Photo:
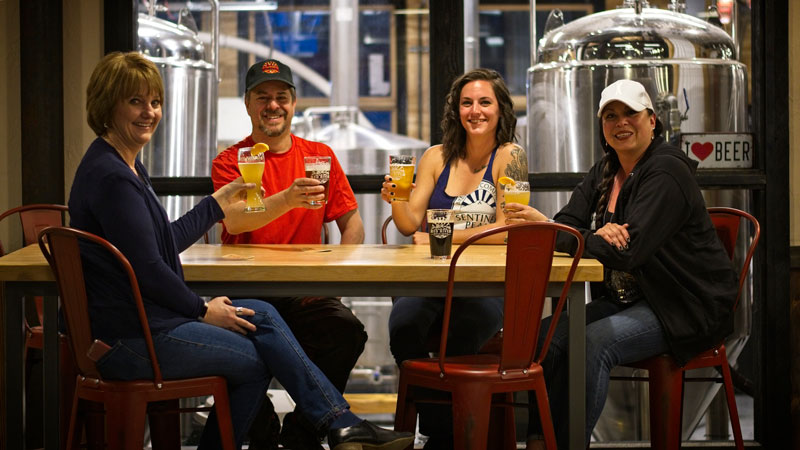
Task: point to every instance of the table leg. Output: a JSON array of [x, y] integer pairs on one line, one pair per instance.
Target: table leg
[[577, 358], [14, 389], [50, 377]]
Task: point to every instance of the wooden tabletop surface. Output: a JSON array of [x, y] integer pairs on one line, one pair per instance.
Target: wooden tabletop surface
[[341, 263]]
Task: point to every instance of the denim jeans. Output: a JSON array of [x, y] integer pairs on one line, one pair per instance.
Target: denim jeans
[[616, 334], [473, 321], [248, 362]]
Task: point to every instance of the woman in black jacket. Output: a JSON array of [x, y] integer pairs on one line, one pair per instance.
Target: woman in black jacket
[[669, 284]]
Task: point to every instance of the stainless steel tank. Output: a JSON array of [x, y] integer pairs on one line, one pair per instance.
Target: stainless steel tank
[[689, 68], [185, 141]]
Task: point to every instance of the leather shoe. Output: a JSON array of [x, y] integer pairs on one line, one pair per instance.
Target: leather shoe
[[367, 436]]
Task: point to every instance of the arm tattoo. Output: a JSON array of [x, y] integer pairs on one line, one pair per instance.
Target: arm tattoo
[[517, 168]]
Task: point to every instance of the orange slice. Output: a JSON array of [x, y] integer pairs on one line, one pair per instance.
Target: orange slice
[[505, 180], [259, 149]]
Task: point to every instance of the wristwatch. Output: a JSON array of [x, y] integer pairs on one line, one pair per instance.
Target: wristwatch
[[203, 312]]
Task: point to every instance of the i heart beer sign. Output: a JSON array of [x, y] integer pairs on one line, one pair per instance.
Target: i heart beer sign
[[719, 150]]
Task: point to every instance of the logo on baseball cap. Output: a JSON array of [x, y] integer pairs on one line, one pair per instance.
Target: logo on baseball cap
[[630, 92], [268, 70]]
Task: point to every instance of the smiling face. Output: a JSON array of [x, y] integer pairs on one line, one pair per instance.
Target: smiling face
[[270, 106], [478, 108], [135, 118], [627, 131]]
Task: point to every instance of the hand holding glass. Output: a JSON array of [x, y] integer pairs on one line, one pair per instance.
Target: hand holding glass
[[440, 232], [319, 168], [252, 169], [401, 169]]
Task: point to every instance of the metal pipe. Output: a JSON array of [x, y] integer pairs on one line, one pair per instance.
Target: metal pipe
[[534, 57], [471, 35], [344, 53], [735, 27], [215, 38], [263, 51]]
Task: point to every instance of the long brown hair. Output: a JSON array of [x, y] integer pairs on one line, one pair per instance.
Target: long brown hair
[[454, 136], [611, 166]]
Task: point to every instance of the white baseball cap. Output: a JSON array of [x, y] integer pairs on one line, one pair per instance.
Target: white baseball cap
[[630, 92]]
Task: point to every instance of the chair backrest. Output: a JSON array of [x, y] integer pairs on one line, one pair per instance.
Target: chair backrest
[[385, 225], [60, 246], [529, 257], [34, 218], [388, 220], [727, 222]]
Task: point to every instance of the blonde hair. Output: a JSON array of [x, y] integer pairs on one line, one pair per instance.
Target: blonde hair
[[116, 77]]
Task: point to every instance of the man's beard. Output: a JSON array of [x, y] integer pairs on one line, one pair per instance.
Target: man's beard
[[274, 132]]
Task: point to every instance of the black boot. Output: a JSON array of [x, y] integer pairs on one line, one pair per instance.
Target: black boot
[[369, 437]]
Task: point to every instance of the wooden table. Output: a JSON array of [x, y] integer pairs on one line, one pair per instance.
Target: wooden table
[[290, 270]]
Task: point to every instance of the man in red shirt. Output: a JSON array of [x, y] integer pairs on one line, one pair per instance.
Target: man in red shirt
[[327, 330]]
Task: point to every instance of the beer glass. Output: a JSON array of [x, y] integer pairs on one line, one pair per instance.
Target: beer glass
[[401, 169], [517, 192], [319, 168], [252, 169], [440, 232]]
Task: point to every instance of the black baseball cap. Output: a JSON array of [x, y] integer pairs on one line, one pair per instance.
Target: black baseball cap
[[267, 70]]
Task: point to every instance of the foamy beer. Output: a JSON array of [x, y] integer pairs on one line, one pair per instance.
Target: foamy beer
[[401, 169], [440, 232], [319, 168], [517, 192]]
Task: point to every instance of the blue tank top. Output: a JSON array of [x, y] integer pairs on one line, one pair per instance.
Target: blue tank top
[[477, 208]]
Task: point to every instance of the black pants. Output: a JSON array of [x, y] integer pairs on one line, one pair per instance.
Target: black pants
[[331, 335]]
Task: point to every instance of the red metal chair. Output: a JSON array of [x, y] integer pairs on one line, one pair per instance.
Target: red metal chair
[[477, 383], [34, 218], [666, 377], [125, 402]]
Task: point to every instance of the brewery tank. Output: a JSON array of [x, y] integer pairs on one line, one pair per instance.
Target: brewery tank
[[690, 71], [185, 141]]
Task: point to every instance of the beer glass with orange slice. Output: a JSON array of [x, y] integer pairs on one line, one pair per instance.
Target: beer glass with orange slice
[[251, 166], [515, 191]]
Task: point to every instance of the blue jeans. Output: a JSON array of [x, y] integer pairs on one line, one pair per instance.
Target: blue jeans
[[248, 363], [616, 334], [473, 321]]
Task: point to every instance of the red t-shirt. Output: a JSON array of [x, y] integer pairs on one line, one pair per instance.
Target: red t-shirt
[[299, 225]]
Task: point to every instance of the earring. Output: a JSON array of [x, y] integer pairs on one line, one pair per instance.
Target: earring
[[105, 125]]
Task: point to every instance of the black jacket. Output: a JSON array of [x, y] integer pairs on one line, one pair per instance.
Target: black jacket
[[674, 254]]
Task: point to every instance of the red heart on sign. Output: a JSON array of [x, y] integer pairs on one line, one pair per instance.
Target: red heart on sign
[[702, 150]]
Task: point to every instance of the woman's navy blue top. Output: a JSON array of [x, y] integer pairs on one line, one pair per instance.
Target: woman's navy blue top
[[109, 200]]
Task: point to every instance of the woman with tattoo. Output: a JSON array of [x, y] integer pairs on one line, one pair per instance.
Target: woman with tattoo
[[460, 174]]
